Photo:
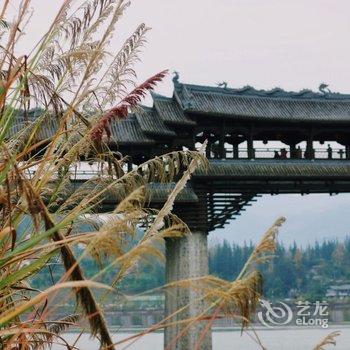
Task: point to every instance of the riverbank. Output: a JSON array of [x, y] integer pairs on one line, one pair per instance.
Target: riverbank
[[257, 327]]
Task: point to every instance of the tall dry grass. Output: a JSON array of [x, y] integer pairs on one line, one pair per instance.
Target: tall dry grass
[[79, 87]]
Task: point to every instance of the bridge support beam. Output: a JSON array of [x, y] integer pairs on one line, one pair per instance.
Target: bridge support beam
[[186, 258]]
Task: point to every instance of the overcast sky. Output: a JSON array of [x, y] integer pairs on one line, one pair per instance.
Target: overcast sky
[[293, 44]]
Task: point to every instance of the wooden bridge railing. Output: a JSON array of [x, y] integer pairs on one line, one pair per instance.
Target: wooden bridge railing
[[281, 153]]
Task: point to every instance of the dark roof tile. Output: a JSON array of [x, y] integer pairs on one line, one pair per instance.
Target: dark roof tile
[[151, 123], [257, 104], [128, 131], [169, 110]]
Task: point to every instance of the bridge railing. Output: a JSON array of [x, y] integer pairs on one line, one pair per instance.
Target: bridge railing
[[283, 153], [87, 172], [76, 174]]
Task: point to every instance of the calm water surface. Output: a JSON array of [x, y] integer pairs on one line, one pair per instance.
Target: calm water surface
[[276, 339]]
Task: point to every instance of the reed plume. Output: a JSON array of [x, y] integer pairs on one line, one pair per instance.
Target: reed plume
[[120, 111], [328, 340]]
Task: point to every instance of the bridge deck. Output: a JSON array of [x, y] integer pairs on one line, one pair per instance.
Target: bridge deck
[[272, 168], [228, 187]]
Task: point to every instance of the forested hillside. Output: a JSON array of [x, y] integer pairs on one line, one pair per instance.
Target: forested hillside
[[295, 271]]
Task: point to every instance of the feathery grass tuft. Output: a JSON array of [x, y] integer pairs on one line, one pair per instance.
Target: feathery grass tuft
[[121, 110], [328, 340]]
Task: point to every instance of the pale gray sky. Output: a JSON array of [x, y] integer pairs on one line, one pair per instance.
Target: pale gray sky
[[293, 44]]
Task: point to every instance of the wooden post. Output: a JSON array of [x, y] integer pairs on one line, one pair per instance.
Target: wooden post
[[209, 145], [293, 150], [130, 165], [250, 146], [222, 151], [347, 151], [235, 150], [310, 154]]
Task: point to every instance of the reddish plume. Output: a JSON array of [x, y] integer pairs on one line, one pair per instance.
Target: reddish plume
[[121, 110]]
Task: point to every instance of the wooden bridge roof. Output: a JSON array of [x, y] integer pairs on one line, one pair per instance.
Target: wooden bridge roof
[[276, 104], [129, 132], [150, 123], [192, 104], [171, 112]]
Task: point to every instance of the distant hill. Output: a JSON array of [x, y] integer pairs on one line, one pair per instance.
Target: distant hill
[[294, 272]]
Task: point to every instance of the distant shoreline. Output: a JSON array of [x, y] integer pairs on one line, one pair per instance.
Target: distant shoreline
[[226, 329]]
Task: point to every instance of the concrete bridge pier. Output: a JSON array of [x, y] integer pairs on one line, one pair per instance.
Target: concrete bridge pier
[[186, 257]]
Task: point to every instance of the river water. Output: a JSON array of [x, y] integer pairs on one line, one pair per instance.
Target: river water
[[302, 338]]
